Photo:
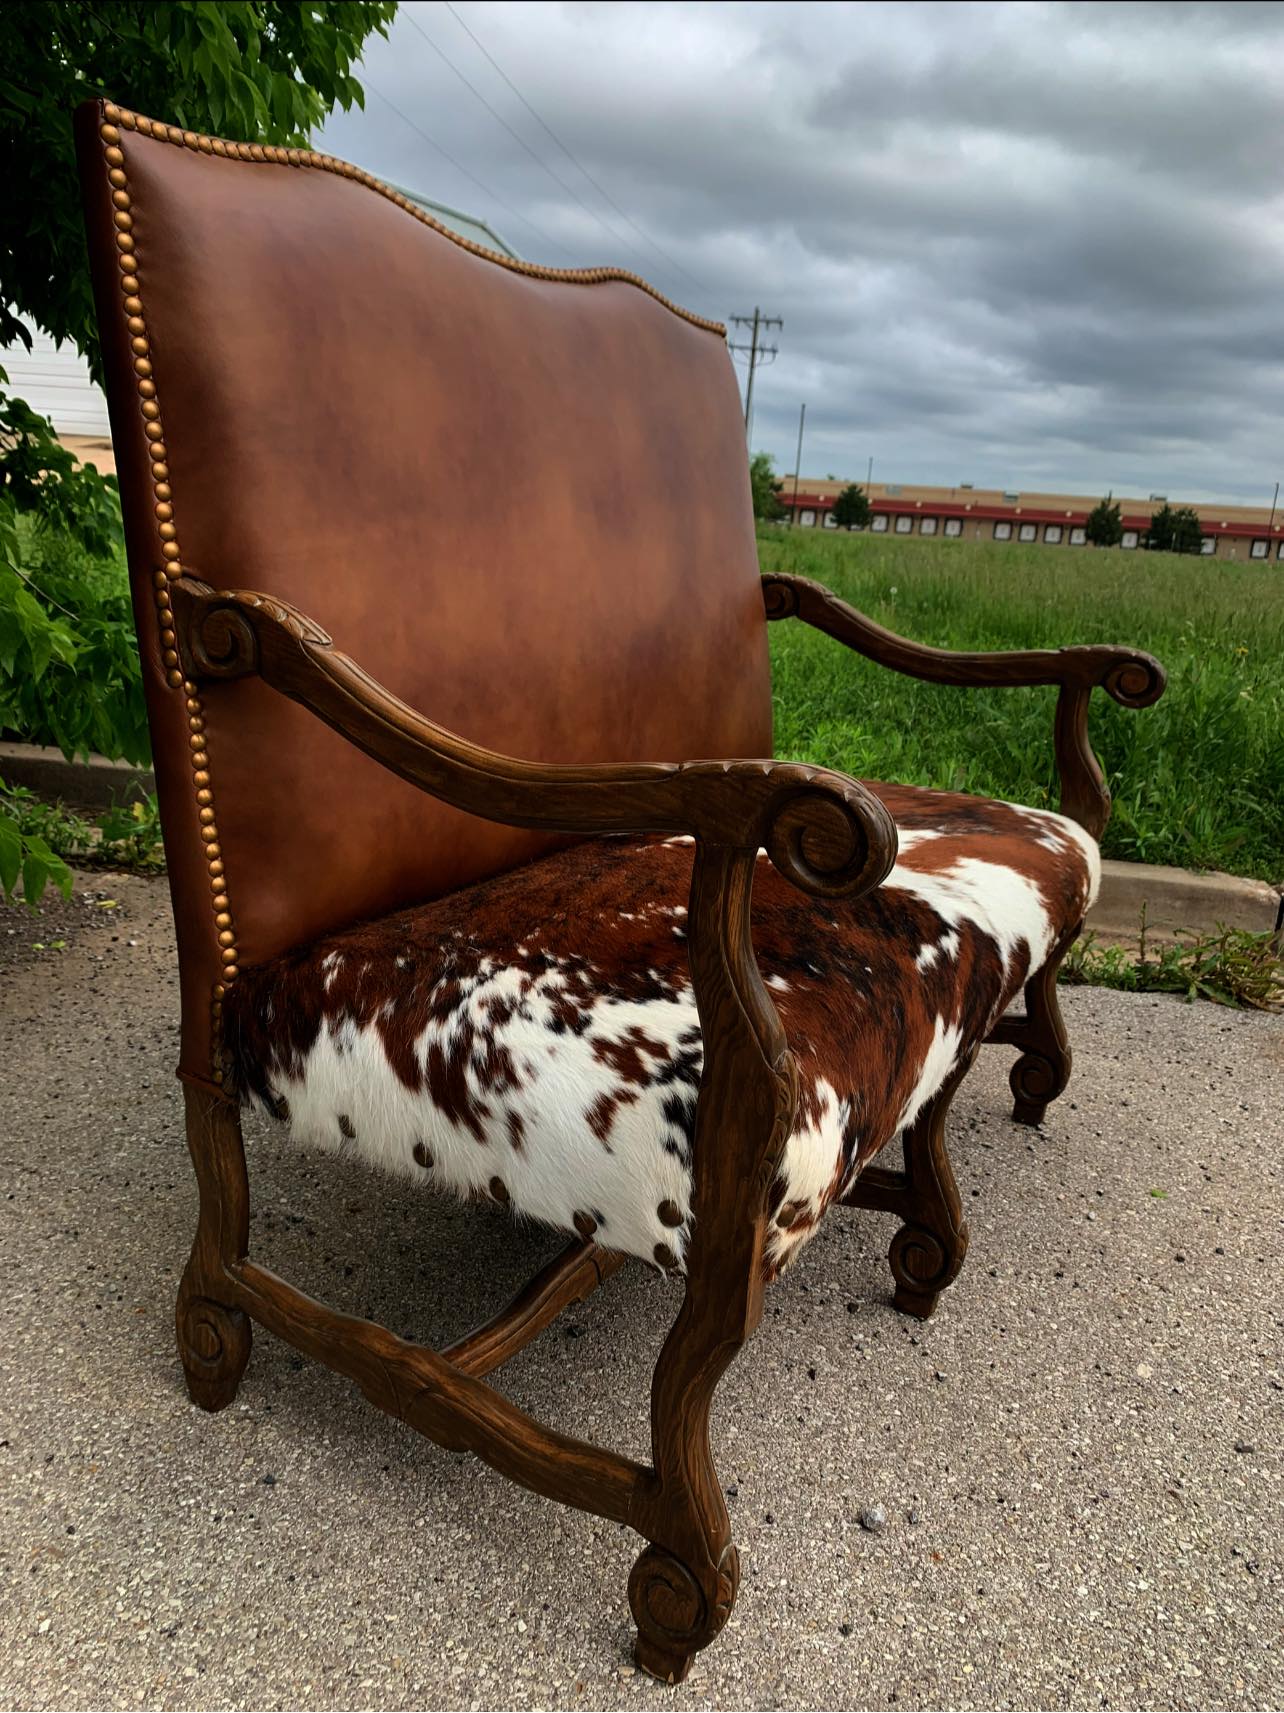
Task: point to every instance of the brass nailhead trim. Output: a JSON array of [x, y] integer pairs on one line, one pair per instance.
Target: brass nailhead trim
[[343, 169], [163, 511]]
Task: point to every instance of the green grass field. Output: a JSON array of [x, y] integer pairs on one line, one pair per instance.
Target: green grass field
[[1197, 780]]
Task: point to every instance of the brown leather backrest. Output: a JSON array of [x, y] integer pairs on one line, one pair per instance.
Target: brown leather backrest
[[518, 498]]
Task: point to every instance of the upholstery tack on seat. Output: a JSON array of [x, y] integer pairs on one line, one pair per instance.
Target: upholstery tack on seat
[[534, 1039]]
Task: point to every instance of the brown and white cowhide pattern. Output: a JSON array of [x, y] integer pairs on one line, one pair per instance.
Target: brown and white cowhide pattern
[[535, 1040]]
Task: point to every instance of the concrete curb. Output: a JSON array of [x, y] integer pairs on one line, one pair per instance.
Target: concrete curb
[[1176, 900], [93, 784]]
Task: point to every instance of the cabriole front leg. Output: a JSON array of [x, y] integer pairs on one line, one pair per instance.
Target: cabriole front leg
[[928, 1251], [213, 1335], [683, 1586], [1043, 1070]]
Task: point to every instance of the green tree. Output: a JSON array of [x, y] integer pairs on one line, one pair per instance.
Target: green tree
[[1105, 526], [1175, 530], [258, 71], [851, 509], [765, 486]]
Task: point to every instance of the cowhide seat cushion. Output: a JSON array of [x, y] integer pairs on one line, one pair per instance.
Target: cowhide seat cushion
[[534, 1039]]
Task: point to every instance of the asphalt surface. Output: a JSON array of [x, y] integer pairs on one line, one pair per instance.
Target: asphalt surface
[[1080, 1459]]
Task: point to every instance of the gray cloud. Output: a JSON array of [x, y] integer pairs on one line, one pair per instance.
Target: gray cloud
[[1015, 244]]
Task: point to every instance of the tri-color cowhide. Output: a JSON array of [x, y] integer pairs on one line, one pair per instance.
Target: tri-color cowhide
[[534, 1039]]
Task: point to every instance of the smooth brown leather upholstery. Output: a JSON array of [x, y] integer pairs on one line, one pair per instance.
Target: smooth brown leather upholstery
[[520, 503]]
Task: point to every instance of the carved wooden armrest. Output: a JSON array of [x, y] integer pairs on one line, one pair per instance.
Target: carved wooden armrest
[[1133, 678], [823, 831]]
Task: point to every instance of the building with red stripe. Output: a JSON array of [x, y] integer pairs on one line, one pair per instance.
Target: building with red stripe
[[1051, 520]]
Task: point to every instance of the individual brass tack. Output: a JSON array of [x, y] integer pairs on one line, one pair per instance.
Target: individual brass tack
[[115, 158], [109, 134], [422, 1156], [664, 1257], [670, 1213], [499, 1189], [585, 1224]]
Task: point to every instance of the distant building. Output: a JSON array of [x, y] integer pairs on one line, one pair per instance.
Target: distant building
[[56, 382], [1052, 520]]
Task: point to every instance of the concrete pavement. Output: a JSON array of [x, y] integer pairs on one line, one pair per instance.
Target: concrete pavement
[[1080, 1459]]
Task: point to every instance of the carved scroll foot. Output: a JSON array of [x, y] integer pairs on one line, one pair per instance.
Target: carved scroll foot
[[923, 1263], [1043, 1070], [1036, 1080], [213, 1346], [676, 1612]]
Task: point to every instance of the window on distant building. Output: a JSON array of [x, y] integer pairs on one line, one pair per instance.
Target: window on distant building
[[1279, 551], [1003, 532], [954, 526], [1259, 550], [830, 521], [1128, 538], [904, 525], [1078, 537], [1052, 533], [808, 520], [928, 526], [878, 523], [1027, 532], [1208, 546]]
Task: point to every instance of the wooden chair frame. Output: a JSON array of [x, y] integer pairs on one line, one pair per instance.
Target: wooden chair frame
[[828, 836]]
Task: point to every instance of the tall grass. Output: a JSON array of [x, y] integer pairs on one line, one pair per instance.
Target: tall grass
[[1197, 780]]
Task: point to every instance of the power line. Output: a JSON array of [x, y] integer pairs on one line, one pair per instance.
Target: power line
[[574, 160], [460, 167], [518, 138]]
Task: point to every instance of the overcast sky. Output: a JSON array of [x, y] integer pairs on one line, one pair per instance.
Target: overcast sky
[[1018, 245]]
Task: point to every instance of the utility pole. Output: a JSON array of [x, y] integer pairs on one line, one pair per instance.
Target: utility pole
[[757, 351], [802, 417], [1275, 502], [869, 474]]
